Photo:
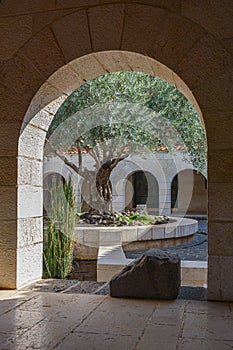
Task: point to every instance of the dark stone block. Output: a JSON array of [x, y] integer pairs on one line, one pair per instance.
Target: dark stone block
[[154, 275]]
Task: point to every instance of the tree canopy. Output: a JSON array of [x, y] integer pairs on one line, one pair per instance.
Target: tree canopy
[[120, 114], [117, 105]]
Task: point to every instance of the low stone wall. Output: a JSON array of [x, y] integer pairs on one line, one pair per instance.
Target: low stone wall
[[88, 239]]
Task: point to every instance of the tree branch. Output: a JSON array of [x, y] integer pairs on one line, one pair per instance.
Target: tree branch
[[80, 172], [80, 159], [94, 156], [117, 160]]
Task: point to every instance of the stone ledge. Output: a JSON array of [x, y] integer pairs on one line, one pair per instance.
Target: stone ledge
[[193, 273], [181, 228]]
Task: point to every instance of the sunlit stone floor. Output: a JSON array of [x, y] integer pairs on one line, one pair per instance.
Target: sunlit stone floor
[[44, 320]]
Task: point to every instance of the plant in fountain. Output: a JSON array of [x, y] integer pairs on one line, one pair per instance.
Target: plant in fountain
[[59, 233], [129, 218]]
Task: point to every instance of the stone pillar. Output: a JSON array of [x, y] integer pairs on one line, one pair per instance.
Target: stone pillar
[[164, 198], [8, 200], [30, 205], [21, 239], [220, 228], [118, 180], [8, 230], [118, 195], [220, 207]]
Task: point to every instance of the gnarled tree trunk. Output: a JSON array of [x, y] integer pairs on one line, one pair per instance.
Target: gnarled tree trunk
[[97, 192], [98, 189]]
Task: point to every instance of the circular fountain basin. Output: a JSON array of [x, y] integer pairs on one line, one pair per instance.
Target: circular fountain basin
[[89, 238]]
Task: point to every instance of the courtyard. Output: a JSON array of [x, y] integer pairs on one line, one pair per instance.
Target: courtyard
[[51, 48]]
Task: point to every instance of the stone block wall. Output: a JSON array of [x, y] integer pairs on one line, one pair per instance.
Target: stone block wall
[[186, 42]]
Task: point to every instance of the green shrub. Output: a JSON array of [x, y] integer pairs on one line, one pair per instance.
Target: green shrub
[[59, 233]]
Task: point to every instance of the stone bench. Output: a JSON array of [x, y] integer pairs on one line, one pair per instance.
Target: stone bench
[[111, 258]]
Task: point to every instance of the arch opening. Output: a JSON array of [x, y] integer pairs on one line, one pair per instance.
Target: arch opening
[[143, 189], [180, 188], [198, 50], [40, 115], [50, 180]]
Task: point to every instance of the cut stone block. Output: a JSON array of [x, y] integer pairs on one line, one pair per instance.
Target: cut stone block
[[154, 275]]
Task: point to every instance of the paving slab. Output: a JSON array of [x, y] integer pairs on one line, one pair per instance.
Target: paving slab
[[50, 320]]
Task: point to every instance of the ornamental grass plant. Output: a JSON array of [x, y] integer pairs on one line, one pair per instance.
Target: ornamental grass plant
[[59, 232]]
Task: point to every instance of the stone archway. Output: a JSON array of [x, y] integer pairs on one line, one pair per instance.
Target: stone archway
[[189, 193], [145, 190], [49, 180], [36, 125], [182, 38]]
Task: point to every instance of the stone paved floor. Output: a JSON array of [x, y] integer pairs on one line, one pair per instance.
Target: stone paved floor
[[63, 314], [36, 320]]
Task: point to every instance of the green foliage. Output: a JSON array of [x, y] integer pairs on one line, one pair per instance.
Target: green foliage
[[138, 89], [127, 218], [139, 219], [59, 236]]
